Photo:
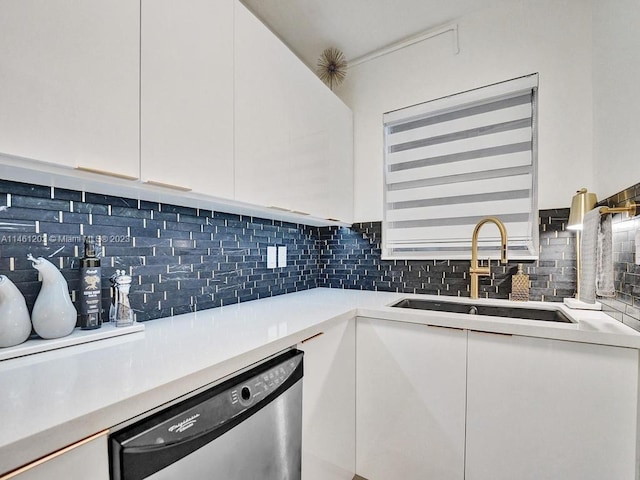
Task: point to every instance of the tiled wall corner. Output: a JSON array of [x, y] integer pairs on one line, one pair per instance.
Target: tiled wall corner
[[625, 307], [351, 258], [553, 275]]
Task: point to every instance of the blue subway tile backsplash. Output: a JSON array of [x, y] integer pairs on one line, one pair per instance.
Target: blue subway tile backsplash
[[184, 259], [351, 258], [181, 259]]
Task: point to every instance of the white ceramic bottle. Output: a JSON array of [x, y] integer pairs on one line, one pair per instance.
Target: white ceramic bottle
[[53, 314], [15, 325]]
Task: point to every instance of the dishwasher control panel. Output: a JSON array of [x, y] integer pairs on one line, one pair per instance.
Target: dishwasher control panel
[[261, 385]]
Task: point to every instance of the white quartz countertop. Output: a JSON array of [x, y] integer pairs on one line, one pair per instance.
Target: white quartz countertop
[[52, 399]]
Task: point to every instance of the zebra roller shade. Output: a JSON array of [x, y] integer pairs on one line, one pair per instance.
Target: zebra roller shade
[[453, 161]]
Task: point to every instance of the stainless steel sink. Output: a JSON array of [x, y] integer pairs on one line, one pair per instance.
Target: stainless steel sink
[[544, 315]]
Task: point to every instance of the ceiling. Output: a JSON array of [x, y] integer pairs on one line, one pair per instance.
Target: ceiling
[[357, 27]]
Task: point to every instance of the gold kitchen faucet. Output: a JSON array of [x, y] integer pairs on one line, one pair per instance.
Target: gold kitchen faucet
[[476, 271]]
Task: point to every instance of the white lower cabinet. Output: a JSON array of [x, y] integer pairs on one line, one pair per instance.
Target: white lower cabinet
[[410, 391], [328, 410], [84, 460], [547, 409], [443, 404]]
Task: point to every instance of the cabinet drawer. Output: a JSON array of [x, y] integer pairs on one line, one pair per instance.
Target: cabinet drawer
[[84, 460]]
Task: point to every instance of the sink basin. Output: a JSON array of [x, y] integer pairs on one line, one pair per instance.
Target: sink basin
[[544, 315]]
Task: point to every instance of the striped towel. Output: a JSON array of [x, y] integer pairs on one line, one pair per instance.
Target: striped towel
[[597, 258]]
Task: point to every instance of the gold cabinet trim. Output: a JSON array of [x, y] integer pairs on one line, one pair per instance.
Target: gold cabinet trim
[[51, 456], [106, 173], [303, 341]]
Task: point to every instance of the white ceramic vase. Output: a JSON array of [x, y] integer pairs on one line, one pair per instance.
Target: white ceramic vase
[[53, 314], [15, 325]]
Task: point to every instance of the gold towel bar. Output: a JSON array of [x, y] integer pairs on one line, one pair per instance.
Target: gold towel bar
[[630, 208]]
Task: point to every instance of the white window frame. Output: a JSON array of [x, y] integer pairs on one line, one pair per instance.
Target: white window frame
[[433, 221]]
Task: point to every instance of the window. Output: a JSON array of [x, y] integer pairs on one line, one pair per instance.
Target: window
[[453, 161]]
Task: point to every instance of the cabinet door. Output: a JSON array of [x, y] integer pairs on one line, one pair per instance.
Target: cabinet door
[[186, 126], [320, 169], [262, 66], [410, 401], [70, 82], [337, 197], [293, 137], [85, 460], [548, 409], [328, 409]]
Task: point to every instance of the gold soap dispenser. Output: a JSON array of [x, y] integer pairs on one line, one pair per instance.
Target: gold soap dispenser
[[520, 285]]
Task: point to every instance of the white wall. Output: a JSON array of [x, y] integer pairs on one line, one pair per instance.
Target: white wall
[[616, 98], [550, 37]]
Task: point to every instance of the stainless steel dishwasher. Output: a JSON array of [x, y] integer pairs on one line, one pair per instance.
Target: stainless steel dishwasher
[[245, 428]]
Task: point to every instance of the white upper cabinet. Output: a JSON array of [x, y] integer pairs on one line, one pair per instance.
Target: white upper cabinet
[[195, 96], [261, 123], [69, 82], [187, 95], [293, 136]]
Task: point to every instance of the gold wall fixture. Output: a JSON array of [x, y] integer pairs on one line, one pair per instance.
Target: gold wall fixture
[[630, 208], [476, 271]]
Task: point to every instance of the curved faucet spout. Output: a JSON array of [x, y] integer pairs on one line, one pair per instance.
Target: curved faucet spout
[[475, 271], [503, 237]]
